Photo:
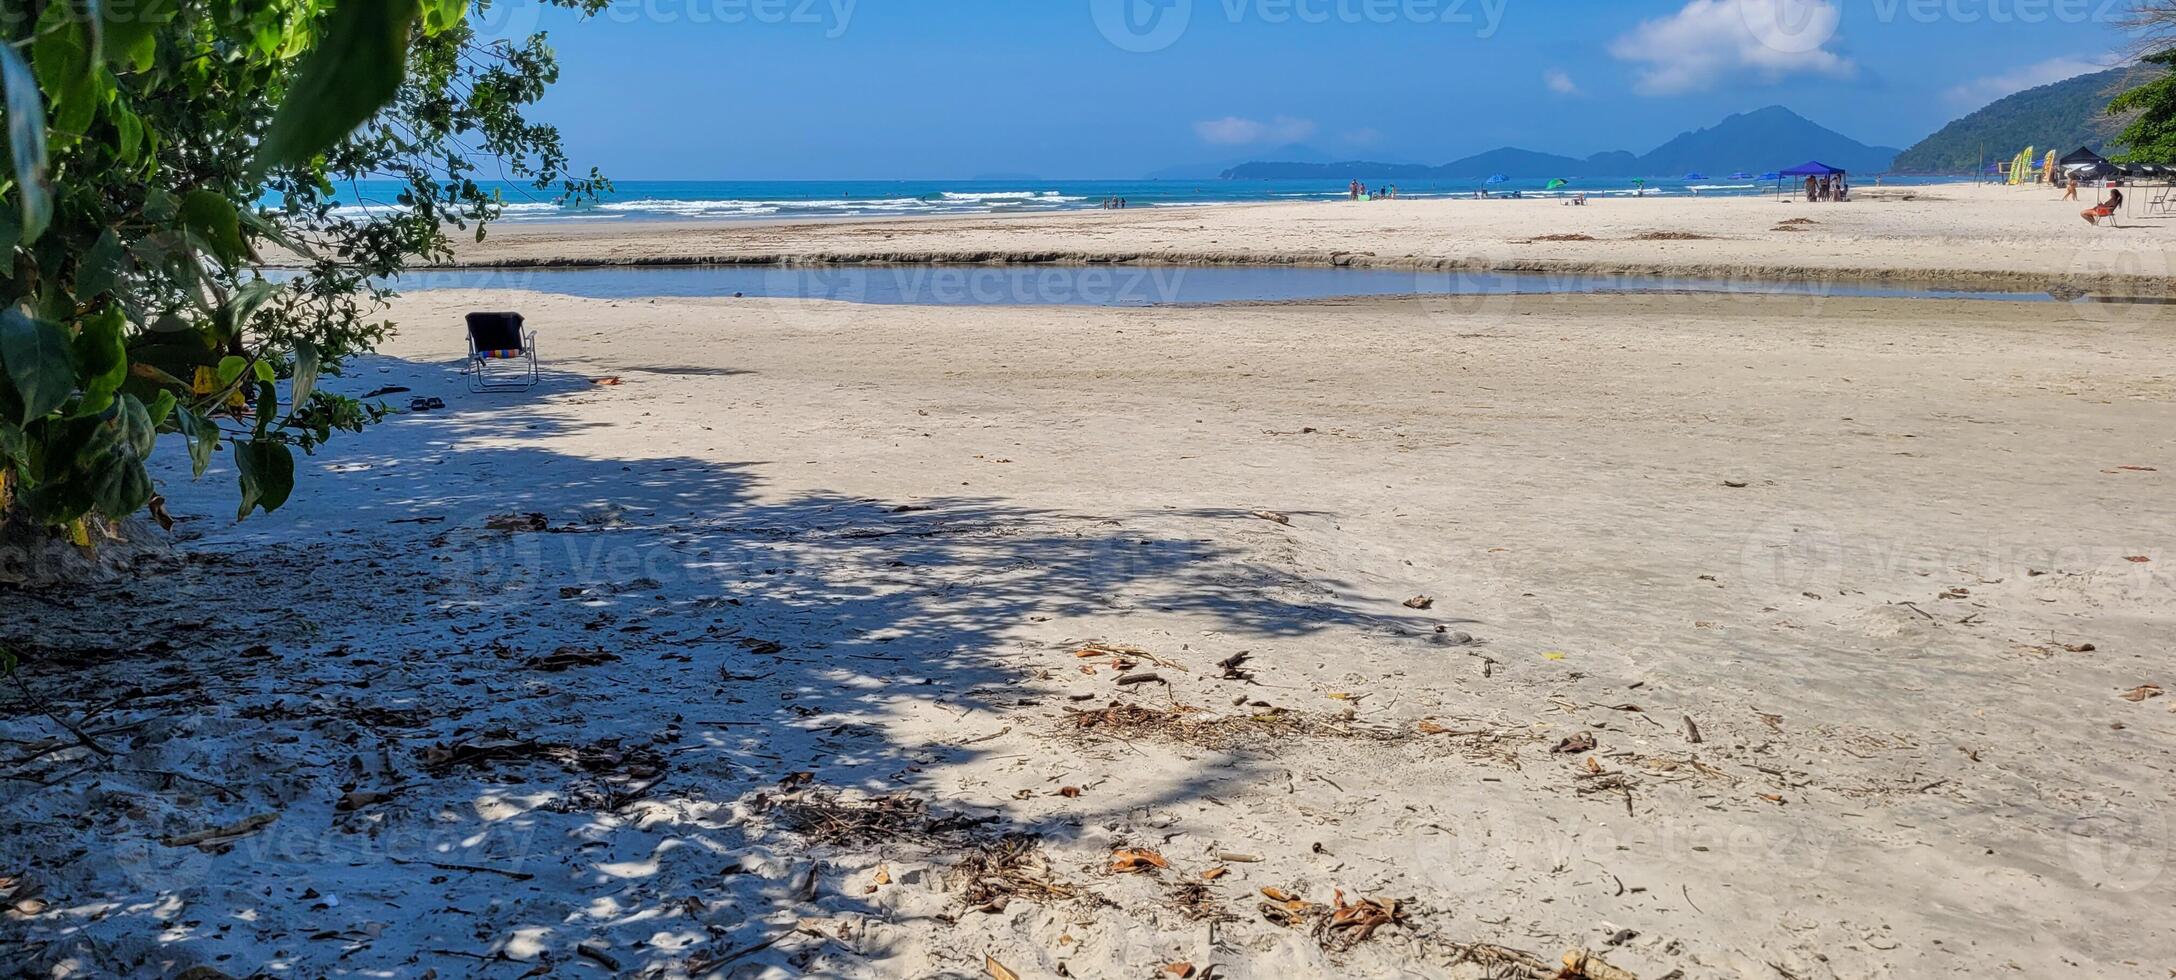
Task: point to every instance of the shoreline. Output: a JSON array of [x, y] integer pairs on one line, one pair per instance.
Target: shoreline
[[1953, 235], [2025, 282]]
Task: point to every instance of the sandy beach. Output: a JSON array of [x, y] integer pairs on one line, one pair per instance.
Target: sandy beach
[[1715, 636], [1960, 234]]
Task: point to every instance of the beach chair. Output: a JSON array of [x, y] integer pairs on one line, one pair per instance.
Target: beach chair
[[501, 355]]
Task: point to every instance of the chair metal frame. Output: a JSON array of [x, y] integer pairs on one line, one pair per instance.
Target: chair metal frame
[[519, 373]]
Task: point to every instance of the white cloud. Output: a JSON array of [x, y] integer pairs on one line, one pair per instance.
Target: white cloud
[[1559, 82], [1980, 91], [1235, 131], [1712, 40]]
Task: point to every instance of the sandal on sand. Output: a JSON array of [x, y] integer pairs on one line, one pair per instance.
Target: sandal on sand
[[426, 404]]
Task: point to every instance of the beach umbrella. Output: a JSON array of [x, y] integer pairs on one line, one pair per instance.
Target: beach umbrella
[[1772, 175], [1696, 175], [1556, 183], [1498, 179], [1740, 175]]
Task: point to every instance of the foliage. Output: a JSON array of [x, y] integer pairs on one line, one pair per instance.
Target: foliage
[[159, 152], [2151, 134], [2059, 117]]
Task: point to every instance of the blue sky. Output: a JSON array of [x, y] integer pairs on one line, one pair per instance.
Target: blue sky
[[749, 89]]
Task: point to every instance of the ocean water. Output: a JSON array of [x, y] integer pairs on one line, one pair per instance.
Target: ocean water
[[655, 200]]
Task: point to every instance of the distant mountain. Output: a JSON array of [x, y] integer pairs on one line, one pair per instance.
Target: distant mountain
[[1513, 162], [1293, 153], [1766, 139], [1346, 170], [2059, 117]]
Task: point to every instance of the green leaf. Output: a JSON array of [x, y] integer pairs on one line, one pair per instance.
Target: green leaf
[[120, 486], [267, 475], [26, 142], [102, 268], [307, 365], [202, 434], [230, 368], [131, 28], [161, 408], [353, 71], [265, 372], [438, 15], [113, 461], [60, 53], [101, 349], [213, 218], [36, 356]]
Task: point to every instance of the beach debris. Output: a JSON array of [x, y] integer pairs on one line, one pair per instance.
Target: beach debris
[[1799, 221], [1554, 655], [516, 523], [1234, 666], [1192, 726], [1143, 678], [1737, 484], [1131, 860], [1236, 857], [595, 953], [1214, 873], [1353, 923], [1286, 909], [1570, 237], [1576, 744], [1671, 236], [2138, 559], [354, 800], [1420, 602], [1069, 792], [219, 837], [1582, 965], [1273, 517], [997, 871], [567, 658], [996, 970], [1692, 731], [1198, 902], [2143, 693], [611, 381], [1182, 970]]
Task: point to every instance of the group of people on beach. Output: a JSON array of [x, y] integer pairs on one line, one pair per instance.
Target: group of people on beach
[[1836, 188], [1114, 204], [1359, 190]]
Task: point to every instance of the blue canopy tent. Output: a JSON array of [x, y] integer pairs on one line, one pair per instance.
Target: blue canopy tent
[[1811, 168]]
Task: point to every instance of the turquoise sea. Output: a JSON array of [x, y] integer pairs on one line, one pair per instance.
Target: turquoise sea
[[651, 200]]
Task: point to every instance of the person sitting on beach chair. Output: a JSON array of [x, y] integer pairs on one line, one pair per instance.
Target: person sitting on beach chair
[[2107, 209], [498, 337]]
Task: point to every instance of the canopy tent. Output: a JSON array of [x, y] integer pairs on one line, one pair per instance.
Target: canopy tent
[[2087, 164], [1813, 168]]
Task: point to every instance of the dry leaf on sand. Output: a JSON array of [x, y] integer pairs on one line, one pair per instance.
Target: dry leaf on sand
[[2144, 693], [997, 971], [1136, 860]]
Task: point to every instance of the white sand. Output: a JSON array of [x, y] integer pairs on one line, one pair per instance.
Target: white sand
[[1910, 764], [1961, 233]]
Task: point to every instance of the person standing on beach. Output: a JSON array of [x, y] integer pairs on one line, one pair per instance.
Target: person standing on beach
[[2072, 193], [1813, 189]]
